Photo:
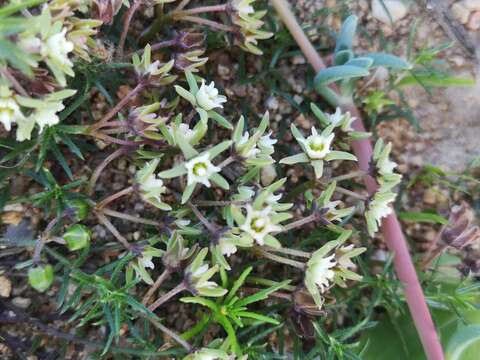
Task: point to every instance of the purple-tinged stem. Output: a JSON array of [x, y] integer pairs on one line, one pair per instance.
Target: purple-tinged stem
[[391, 227], [136, 90], [212, 24], [199, 10], [96, 174], [126, 25], [164, 298], [156, 285]]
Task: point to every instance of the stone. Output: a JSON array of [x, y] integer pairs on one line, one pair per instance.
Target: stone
[[474, 22], [268, 174], [272, 103], [397, 9], [472, 5], [430, 197], [5, 287], [21, 302], [460, 12]]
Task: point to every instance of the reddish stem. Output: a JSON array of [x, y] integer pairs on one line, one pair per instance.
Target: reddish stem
[[200, 10], [117, 108], [391, 227], [126, 25], [212, 24], [96, 174]]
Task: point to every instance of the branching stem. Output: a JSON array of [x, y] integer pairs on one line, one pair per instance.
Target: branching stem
[[115, 196], [126, 25], [96, 174], [136, 219], [198, 10], [210, 23], [103, 220], [136, 90], [165, 297], [156, 285]]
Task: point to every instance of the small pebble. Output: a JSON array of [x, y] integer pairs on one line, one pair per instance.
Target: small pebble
[[460, 12], [397, 9], [430, 197], [272, 103], [5, 287], [473, 5], [21, 302], [474, 22]]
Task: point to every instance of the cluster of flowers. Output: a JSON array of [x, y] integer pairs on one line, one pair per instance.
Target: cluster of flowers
[[254, 214], [48, 39], [382, 168], [249, 23]]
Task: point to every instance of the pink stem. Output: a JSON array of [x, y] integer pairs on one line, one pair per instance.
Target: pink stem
[[391, 227], [126, 25]]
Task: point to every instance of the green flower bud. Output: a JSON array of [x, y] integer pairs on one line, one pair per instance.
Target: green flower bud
[[77, 237], [40, 277], [80, 208]]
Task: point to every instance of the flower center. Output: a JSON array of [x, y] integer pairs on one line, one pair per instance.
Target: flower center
[[6, 110], [317, 144], [258, 224], [200, 169]]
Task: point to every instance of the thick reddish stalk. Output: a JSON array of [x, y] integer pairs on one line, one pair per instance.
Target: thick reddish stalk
[[391, 227]]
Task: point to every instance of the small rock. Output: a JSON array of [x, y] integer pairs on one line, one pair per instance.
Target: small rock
[[268, 174], [21, 302], [397, 9], [303, 122], [223, 71], [272, 103], [460, 12], [5, 287], [298, 60], [12, 217], [473, 5], [430, 197], [457, 60], [474, 22]]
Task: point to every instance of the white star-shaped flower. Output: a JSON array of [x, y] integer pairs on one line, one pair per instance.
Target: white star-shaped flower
[[200, 169], [258, 224], [319, 270], [317, 145], [57, 47], [208, 98]]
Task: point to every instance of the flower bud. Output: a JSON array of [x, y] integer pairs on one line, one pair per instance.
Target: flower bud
[[40, 277], [77, 237], [80, 209]]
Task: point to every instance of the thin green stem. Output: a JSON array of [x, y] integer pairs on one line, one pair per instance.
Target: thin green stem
[[267, 282], [288, 251], [280, 259]]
